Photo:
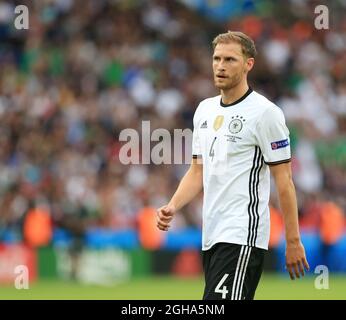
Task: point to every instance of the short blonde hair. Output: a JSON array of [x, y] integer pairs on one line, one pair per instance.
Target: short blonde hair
[[247, 44]]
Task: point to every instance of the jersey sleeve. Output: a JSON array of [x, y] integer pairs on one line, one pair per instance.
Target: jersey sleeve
[[196, 146], [273, 137]]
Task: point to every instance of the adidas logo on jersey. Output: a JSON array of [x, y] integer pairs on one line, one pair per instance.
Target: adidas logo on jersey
[[204, 125]]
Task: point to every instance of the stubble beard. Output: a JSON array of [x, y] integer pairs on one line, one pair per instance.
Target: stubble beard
[[230, 84]]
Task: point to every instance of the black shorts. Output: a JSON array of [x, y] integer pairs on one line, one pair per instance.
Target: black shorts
[[232, 271]]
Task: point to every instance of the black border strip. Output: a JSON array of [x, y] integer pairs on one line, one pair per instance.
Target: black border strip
[[277, 162], [237, 101]]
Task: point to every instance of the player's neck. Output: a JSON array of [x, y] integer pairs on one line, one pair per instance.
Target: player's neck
[[234, 94]]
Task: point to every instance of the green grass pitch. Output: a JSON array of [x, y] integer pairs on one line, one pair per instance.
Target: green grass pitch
[[271, 287]]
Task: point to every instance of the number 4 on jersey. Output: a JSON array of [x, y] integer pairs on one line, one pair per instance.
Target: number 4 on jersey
[[211, 151], [224, 290]]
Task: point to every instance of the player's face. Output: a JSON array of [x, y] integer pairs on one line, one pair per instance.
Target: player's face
[[230, 66]]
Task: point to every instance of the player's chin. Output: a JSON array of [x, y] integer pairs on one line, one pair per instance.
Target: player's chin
[[221, 86]]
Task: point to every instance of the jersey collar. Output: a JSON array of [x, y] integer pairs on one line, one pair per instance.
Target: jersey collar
[[237, 101]]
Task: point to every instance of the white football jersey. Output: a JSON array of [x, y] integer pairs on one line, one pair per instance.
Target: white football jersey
[[237, 142]]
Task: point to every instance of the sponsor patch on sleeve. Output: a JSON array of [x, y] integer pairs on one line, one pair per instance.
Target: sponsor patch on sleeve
[[279, 144]]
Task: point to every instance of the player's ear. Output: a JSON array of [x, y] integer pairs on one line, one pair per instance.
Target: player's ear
[[249, 64]]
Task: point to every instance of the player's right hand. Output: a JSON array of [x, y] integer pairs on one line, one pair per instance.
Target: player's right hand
[[164, 216]]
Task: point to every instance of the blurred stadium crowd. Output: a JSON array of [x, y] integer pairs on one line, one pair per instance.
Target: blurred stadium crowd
[[85, 70]]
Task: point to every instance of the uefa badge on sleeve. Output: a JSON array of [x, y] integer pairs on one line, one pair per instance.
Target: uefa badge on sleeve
[[279, 144]]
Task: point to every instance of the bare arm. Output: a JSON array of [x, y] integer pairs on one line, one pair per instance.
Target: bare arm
[[295, 253], [190, 185]]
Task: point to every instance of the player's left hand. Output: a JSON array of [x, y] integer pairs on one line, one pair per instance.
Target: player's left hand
[[296, 260]]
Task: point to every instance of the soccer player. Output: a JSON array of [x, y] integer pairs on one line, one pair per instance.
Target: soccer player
[[239, 137]]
